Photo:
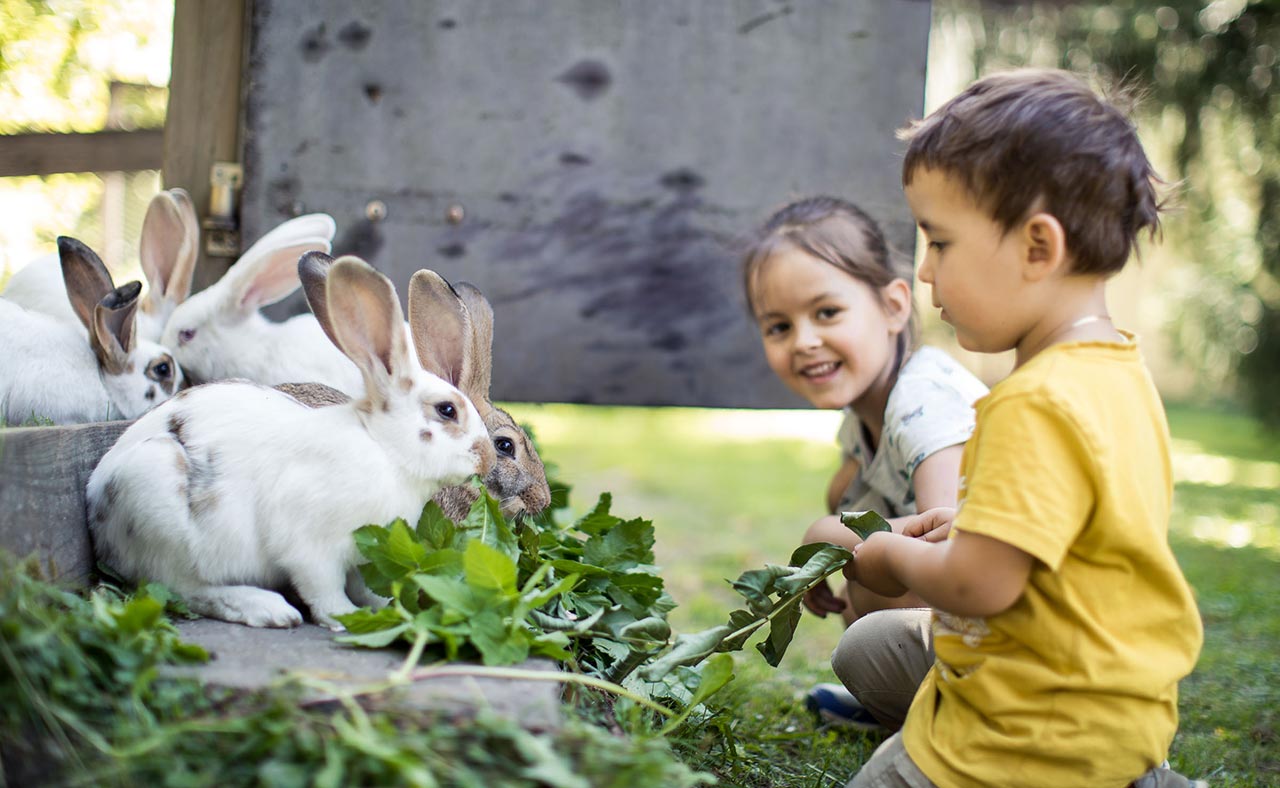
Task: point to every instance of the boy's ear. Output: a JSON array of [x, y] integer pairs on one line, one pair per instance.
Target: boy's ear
[[896, 297], [1045, 242]]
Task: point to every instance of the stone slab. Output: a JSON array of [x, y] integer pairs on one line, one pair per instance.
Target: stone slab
[[253, 658]]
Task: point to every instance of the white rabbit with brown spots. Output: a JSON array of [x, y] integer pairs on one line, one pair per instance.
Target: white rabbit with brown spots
[[234, 489], [518, 479], [96, 370]]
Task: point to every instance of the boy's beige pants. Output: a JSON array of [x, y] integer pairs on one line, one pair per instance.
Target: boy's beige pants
[[883, 657]]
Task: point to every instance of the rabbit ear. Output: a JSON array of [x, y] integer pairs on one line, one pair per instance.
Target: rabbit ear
[[438, 322], [312, 225], [313, 271], [85, 276], [266, 276], [169, 247], [111, 335], [368, 325], [480, 315]]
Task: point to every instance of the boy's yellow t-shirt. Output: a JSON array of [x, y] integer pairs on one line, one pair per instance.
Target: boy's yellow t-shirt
[[1076, 684]]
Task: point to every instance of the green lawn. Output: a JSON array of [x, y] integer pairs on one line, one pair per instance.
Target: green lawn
[[731, 490]]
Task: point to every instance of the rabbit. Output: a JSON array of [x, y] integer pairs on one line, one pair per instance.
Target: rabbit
[[218, 333], [168, 250], [232, 489], [49, 369], [518, 479]]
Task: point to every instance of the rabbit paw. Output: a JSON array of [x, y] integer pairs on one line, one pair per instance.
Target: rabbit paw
[[277, 614]]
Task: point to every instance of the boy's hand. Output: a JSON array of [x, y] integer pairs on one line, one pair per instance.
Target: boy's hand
[[870, 565], [932, 525], [820, 600]]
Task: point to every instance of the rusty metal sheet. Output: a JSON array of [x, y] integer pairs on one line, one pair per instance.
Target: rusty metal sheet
[[591, 166]]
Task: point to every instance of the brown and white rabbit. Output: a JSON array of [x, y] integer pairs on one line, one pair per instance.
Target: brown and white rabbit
[[234, 488], [168, 249], [518, 479], [53, 370]]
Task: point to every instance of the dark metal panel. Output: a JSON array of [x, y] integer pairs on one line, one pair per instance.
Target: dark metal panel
[[605, 156]]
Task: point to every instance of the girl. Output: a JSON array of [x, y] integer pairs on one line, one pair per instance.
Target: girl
[[835, 319]]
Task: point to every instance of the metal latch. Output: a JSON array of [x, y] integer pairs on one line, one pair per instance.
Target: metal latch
[[221, 227]]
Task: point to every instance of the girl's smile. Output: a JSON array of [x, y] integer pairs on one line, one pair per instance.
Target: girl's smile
[[830, 337]]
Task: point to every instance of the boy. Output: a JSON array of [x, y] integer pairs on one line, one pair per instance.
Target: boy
[[1062, 622]]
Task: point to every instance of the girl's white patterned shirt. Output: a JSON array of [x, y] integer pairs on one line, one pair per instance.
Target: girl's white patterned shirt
[[929, 409]]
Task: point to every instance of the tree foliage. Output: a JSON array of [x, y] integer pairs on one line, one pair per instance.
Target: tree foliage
[[1207, 70]]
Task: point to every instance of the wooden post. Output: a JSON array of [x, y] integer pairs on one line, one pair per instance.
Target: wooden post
[[203, 121]]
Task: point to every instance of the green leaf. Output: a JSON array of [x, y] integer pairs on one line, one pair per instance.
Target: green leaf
[[781, 629], [376, 639], [598, 520], [446, 562], [451, 592], [488, 568], [738, 621], [498, 644], [394, 552], [716, 673], [864, 523], [651, 628], [486, 523], [757, 585], [622, 546], [688, 650], [434, 529], [822, 563]]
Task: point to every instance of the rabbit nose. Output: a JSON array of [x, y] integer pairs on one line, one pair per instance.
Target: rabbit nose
[[486, 457]]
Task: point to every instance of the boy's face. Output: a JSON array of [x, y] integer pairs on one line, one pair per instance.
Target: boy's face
[[972, 264]]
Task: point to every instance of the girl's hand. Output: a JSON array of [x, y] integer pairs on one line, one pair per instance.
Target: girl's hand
[[870, 565], [820, 600], [931, 526]]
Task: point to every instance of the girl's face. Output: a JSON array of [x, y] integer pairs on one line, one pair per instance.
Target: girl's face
[[827, 335]]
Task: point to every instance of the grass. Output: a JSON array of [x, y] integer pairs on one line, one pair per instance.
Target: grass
[[730, 491]]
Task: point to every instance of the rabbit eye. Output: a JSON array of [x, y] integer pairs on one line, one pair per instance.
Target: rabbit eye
[[505, 447], [186, 335], [161, 369], [447, 411]]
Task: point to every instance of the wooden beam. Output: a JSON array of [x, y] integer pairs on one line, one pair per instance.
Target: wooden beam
[[102, 151], [203, 121]]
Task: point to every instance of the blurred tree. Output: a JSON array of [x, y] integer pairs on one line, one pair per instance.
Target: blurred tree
[[1207, 72]]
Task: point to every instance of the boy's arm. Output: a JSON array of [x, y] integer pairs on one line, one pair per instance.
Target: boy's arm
[[968, 575]]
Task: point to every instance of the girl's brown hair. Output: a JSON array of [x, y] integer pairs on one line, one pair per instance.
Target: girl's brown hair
[[836, 232]]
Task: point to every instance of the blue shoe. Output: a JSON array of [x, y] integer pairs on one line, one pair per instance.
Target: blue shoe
[[836, 706]]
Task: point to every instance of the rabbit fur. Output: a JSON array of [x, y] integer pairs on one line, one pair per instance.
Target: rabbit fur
[[219, 333], [518, 478], [53, 370], [232, 489], [168, 249]]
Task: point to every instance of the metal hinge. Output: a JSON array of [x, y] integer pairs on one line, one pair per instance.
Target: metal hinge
[[221, 227]]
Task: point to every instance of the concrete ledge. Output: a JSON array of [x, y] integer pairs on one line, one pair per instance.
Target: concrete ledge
[[43, 473], [253, 658]]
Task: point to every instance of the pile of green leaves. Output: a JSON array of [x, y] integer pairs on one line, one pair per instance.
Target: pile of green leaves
[[586, 595], [82, 701]]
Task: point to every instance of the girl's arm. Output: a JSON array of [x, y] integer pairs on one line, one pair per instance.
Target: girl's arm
[[843, 477], [968, 575]]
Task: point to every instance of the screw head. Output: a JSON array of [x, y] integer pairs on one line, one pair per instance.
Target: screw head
[[375, 210], [455, 214]]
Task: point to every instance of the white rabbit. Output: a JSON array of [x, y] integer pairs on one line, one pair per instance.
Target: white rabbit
[[168, 249], [234, 488], [49, 369], [218, 333], [518, 478]]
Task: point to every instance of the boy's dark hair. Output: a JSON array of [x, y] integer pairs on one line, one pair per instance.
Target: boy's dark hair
[[1042, 140], [834, 231]]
